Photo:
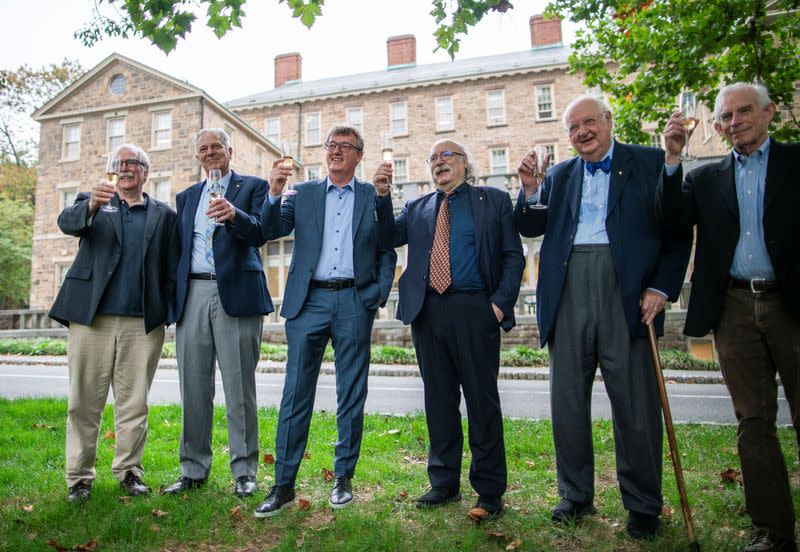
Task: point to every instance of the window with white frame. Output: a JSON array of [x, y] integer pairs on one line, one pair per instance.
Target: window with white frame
[[444, 113], [71, 148], [355, 117], [162, 129], [162, 190], [399, 117], [656, 140], [498, 160], [544, 102], [67, 194], [272, 129], [115, 132], [400, 169], [496, 107], [313, 172], [551, 150], [313, 129]]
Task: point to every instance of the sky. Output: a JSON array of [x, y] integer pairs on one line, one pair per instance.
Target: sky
[[349, 38]]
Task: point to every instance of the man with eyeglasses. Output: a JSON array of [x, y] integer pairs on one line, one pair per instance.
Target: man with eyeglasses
[[116, 298], [221, 299], [606, 270], [746, 287], [463, 272], [342, 271]]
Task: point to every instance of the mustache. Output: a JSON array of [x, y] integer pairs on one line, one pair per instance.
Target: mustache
[[126, 174]]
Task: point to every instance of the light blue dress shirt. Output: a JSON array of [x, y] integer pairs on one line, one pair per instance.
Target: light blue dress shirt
[[751, 260], [336, 254], [201, 225], [594, 205]]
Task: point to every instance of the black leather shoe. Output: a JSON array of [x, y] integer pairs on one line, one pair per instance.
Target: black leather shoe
[[184, 484], [246, 485], [79, 491], [568, 510], [493, 505], [134, 485], [641, 526], [342, 493], [278, 498], [438, 496], [763, 541]]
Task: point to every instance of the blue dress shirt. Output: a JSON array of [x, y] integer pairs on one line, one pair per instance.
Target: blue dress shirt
[[751, 260], [336, 254], [463, 254], [594, 205], [201, 224]]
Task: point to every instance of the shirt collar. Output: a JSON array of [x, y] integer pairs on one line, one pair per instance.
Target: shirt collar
[[760, 153], [329, 184], [457, 190]]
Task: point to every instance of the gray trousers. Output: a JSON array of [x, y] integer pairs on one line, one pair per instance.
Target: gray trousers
[[205, 334], [591, 330]]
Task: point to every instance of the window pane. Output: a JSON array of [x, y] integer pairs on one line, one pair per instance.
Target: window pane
[[444, 113], [355, 117], [162, 190], [544, 101], [313, 129], [274, 130], [499, 161], [162, 129], [400, 170], [496, 107], [399, 121]]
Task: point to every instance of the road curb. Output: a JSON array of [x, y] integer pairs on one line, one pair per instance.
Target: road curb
[[506, 373]]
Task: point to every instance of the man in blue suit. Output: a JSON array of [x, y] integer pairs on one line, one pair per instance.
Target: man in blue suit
[[341, 272], [605, 271], [221, 298], [462, 278]]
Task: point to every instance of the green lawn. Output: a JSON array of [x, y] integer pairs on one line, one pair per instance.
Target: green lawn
[[390, 473]]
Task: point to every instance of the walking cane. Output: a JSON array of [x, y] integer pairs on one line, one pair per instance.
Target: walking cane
[[673, 444]]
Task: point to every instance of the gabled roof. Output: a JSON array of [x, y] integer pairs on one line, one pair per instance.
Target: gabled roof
[[537, 59]]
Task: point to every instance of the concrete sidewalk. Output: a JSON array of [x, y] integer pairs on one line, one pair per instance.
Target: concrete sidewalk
[[267, 366]]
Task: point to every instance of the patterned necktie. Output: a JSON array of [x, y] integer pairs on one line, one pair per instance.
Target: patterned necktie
[[440, 254]]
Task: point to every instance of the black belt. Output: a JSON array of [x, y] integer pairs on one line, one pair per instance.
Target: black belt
[[203, 276], [334, 284], [755, 285]]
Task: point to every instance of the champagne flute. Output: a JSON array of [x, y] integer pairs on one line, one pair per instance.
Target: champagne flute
[[288, 161], [542, 162], [112, 173], [387, 146], [215, 188], [688, 106]]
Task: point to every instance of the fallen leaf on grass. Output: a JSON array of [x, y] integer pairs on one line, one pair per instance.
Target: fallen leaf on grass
[[391, 432], [327, 475], [88, 546], [306, 455], [42, 426], [402, 495], [125, 498], [531, 464], [268, 459], [499, 535], [236, 512], [155, 527], [667, 511], [159, 513], [27, 508], [303, 504], [731, 475], [58, 546], [477, 514], [110, 435], [513, 545]]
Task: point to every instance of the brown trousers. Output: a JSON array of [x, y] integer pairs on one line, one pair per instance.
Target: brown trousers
[[756, 339]]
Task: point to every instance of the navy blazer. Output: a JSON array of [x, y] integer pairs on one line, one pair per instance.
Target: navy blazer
[[304, 212], [500, 258], [644, 255], [99, 254], [237, 261], [708, 199]]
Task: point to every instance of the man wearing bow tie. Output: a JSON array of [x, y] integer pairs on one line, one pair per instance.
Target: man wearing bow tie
[[606, 270]]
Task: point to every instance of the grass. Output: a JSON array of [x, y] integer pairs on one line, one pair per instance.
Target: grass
[[391, 471], [520, 356]]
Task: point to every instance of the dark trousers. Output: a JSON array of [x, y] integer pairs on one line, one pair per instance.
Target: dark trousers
[[457, 339], [756, 338], [591, 330], [341, 317]]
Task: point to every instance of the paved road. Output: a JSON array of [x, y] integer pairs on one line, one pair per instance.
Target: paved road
[[394, 395]]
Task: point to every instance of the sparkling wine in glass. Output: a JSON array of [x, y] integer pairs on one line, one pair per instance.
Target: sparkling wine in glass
[[288, 161], [215, 187], [542, 162], [688, 106], [112, 173], [387, 146]]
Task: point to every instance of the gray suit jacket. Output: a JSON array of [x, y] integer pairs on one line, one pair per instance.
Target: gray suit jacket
[[304, 212]]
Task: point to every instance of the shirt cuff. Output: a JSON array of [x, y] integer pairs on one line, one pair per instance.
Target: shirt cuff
[[671, 169], [661, 293], [273, 199], [533, 199]]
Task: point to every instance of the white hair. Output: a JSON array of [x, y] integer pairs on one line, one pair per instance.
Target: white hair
[[141, 155], [220, 133], [600, 103], [761, 91]]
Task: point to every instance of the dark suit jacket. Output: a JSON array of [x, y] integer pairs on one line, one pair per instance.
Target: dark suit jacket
[[500, 258], [240, 273], [644, 256], [99, 252], [304, 212], [708, 199]]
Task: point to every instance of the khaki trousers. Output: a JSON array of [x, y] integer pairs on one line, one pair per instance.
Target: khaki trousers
[[115, 351]]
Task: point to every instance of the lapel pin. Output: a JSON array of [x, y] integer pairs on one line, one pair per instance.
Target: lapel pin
[[620, 173]]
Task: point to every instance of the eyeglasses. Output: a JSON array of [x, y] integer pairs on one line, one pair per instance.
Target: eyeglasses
[[343, 146], [589, 122], [445, 155], [130, 163]]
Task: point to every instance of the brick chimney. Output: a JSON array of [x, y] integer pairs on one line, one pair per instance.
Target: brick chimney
[[401, 50], [545, 32], [288, 67]]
